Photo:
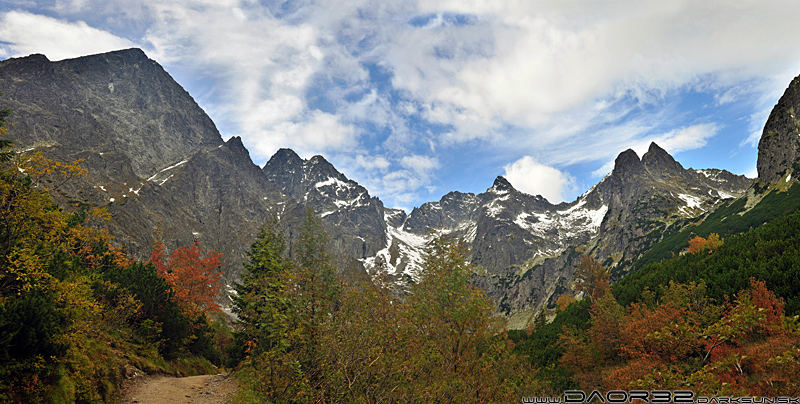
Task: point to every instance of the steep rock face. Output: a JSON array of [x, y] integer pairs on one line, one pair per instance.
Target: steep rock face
[[216, 196], [121, 104], [642, 198], [513, 227], [504, 227], [354, 220], [645, 197], [779, 147], [453, 209], [286, 169], [155, 159]]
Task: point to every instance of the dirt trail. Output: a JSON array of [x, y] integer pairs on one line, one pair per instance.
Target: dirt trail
[[208, 389]]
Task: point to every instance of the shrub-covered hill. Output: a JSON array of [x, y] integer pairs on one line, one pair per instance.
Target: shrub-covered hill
[[78, 316], [727, 220], [768, 253]]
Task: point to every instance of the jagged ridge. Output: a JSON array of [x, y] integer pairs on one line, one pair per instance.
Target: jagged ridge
[[157, 160]]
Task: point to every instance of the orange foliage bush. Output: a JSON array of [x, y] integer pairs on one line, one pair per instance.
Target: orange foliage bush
[[565, 300], [746, 348], [194, 276], [699, 244]]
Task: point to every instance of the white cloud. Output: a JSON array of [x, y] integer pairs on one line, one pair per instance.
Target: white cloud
[[422, 165], [372, 163], [522, 63], [265, 66], [398, 181], [573, 82], [27, 33], [532, 177], [688, 138], [313, 132]]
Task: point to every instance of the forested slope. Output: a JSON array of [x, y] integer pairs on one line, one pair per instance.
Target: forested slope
[[718, 321]]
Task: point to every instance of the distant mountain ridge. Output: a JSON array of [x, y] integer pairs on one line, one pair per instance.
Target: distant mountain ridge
[[159, 165], [353, 219], [527, 248]]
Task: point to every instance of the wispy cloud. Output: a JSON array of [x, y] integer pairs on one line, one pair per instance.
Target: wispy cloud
[[26, 33]]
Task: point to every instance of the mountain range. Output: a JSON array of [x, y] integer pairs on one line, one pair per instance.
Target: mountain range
[[160, 167]]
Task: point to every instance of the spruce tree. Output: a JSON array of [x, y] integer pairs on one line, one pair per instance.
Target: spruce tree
[[260, 302]]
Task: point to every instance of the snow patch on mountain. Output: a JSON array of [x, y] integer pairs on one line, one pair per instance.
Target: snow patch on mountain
[[182, 162], [410, 246], [351, 203], [333, 181], [569, 222], [470, 231], [692, 202]]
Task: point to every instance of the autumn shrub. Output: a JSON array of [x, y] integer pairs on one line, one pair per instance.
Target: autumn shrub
[[745, 347]]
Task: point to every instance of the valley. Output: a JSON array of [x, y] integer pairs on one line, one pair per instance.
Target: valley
[[337, 297], [156, 161]]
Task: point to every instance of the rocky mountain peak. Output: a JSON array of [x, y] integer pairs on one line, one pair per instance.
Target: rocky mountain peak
[[285, 158], [28, 68], [658, 161], [36, 58], [501, 185], [627, 164], [149, 120], [779, 147], [235, 144], [322, 169], [130, 53], [354, 221]]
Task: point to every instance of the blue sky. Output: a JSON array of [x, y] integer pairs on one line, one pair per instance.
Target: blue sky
[[414, 99]]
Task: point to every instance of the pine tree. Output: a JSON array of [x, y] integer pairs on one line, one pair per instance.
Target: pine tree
[[261, 302]]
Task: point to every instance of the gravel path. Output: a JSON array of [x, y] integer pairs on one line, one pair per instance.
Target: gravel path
[[208, 389]]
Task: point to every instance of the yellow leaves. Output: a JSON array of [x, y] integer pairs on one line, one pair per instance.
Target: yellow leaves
[[100, 213], [49, 174], [119, 305], [75, 298], [25, 267]]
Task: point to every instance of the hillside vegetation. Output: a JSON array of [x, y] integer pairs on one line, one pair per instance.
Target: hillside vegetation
[[78, 316], [718, 321], [307, 337]]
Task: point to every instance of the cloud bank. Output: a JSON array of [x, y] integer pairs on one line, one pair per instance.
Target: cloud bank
[[389, 89]]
